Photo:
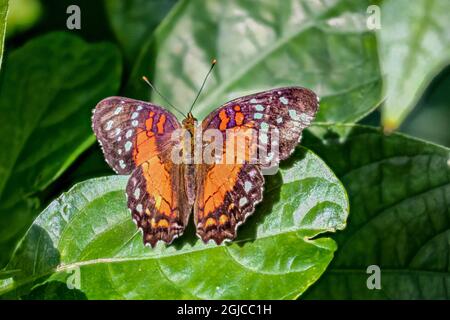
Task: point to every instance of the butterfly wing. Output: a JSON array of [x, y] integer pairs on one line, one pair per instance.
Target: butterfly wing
[[131, 131], [284, 110], [226, 196], [136, 138], [228, 192], [157, 199]]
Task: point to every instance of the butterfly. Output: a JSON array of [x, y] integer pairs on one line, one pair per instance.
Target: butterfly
[[137, 140]]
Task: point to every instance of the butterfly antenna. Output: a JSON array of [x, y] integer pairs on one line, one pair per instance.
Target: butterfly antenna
[[203, 84], [160, 94]]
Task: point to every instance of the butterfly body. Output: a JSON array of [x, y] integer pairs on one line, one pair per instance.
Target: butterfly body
[[138, 138]]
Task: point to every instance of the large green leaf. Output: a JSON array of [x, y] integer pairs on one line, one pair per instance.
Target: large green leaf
[[47, 91], [274, 256], [414, 46], [3, 16], [321, 45], [399, 191], [133, 21]]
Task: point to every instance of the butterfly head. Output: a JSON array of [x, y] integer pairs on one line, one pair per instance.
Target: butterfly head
[[190, 122]]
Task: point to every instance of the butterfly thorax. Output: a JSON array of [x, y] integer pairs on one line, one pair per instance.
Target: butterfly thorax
[[189, 123]]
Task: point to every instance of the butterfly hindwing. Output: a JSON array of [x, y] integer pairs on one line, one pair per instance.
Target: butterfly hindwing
[[226, 196], [157, 199], [227, 193], [131, 131]]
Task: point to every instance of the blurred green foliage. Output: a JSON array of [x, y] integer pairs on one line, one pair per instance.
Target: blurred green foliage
[[23, 14]]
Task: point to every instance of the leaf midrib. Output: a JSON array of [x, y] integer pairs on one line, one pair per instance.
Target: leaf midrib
[[64, 267], [69, 266]]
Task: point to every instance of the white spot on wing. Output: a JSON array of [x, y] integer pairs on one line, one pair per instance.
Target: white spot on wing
[[134, 115], [129, 133], [264, 126], [305, 118], [139, 108], [259, 107], [118, 110], [247, 186], [122, 164], [117, 132], [137, 193], [258, 115], [109, 125], [139, 208], [253, 101], [134, 123], [293, 114], [279, 120], [243, 201], [283, 100], [128, 146]]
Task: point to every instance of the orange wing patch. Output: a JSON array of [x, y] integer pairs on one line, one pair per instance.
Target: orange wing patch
[[157, 201], [146, 146], [227, 196], [224, 119], [149, 121], [220, 180], [158, 184], [160, 124], [239, 116], [146, 141]]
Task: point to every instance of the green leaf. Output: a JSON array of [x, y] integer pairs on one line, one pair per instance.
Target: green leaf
[[399, 190], [47, 91], [414, 46], [276, 255], [3, 18], [133, 21], [324, 46]]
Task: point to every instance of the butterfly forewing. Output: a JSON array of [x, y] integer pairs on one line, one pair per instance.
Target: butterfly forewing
[[131, 131], [284, 110]]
